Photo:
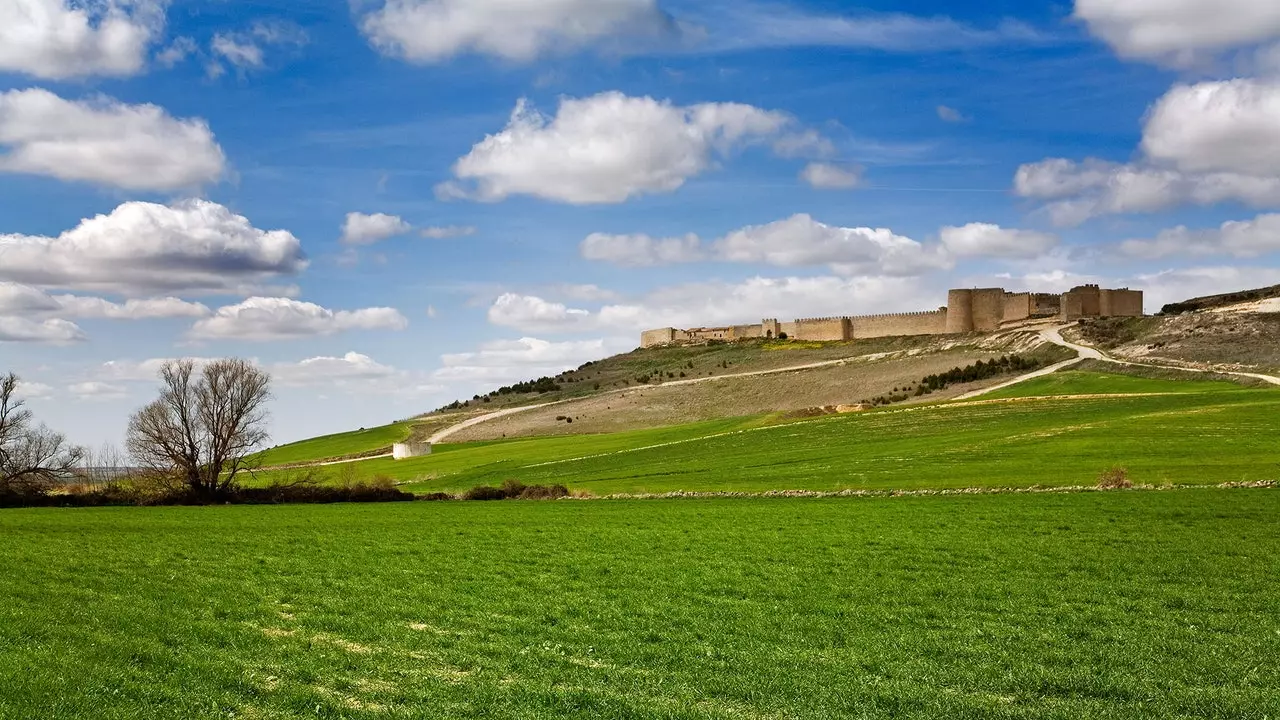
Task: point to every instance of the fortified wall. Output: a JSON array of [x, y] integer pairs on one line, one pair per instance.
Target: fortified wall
[[967, 310]]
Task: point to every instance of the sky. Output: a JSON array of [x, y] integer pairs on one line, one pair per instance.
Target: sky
[[392, 204]]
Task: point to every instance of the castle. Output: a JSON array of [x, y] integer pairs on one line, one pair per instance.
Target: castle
[[975, 310]]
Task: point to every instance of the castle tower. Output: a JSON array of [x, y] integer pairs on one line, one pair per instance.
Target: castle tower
[[959, 311], [769, 328], [988, 309]]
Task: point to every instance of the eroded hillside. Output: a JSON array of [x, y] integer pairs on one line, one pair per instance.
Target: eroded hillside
[[1234, 337]]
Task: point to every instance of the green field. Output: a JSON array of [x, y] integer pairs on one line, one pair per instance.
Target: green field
[[1086, 605], [1191, 432], [1076, 382], [337, 445]]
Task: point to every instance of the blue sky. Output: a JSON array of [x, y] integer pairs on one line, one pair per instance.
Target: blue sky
[[674, 163]]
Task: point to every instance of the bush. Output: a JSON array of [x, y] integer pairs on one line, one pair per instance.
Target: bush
[[514, 489], [435, 496], [1116, 478], [484, 492]]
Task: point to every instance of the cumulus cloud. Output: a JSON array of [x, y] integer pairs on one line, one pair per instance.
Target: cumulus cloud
[[1203, 144], [145, 248], [606, 149], [1238, 238], [354, 373], [800, 240], [60, 39], [94, 390], [1161, 288], [428, 31], [1209, 127], [826, 176], [33, 390], [447, 231], [950, 114], [531, 313], [24, 300], [506, 361], [362, 229], [988, 240], [52, 332], [640, 250], [263, 318], [1179, 31], [140, 371], [106, 142]]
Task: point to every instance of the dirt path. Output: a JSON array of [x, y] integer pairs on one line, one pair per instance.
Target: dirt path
[[1085, 352]]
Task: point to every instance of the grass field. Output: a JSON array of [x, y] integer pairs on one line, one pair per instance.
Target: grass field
[[1193, 432], [1075, 382], [338, 445], [1094, 605]]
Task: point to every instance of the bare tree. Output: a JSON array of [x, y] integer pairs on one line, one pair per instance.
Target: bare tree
[[204, 428], [32, 457]]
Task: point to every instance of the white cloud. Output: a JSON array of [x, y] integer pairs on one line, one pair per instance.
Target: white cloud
[[532, 314], [428, 31], [950, 114], [988, 240], [826, 176], [507, 361], [180, 49], [1247, 238], [800, 240], [18, 299], [104, 141], [1084, 190], [362, 229], [141, 248], [590, 293], [33, 390], [1161, 288], [59, 39], [24, 300], [133, 309], [1177, 31], [96, 390], [641, 250], [1202, 144], [143, 371], [606, 149], [796, 241], [262, 318], [718, 303], [52, 332], [246, 50], [447, 231], [1209, 127]]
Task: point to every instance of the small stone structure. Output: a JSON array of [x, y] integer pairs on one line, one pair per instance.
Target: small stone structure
[[967, 310], [406, 450]]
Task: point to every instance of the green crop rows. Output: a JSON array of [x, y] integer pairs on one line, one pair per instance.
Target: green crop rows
[[1088, 605]]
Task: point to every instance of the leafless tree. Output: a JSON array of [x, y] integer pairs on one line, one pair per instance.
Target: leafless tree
[[205, 426], [32, 457]]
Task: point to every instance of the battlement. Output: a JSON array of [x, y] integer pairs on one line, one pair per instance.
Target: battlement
[[967, 310]]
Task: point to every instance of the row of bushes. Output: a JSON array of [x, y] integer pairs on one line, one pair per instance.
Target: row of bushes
[[306, 490], [980, 370]]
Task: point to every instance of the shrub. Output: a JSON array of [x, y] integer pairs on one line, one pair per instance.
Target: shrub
[[544, 492], [435, 496], [484, 492], [1115, 478]]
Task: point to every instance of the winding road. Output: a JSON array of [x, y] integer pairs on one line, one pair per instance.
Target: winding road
[[1085, 352]]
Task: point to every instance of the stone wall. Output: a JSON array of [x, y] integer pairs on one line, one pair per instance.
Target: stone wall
[[1121, 303], [917, 323], [660, 336], [406, 450], [988, 309], [831, 328], [1017, 306], [967, 310]]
